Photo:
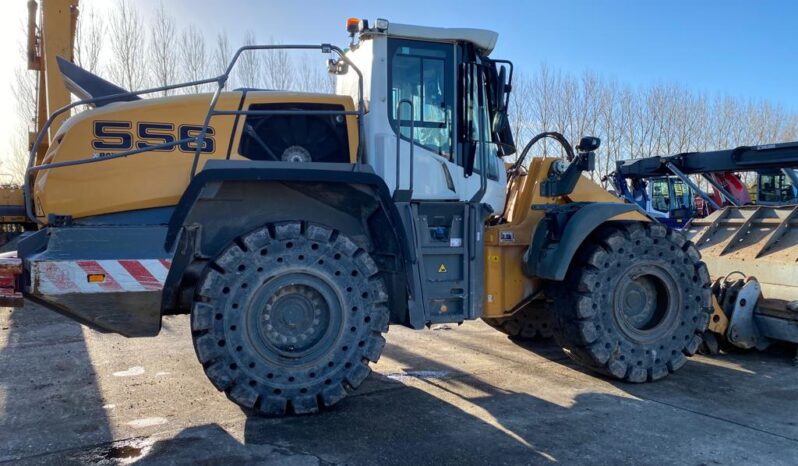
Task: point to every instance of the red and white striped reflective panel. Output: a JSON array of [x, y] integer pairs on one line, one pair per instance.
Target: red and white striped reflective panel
[[98, 276]]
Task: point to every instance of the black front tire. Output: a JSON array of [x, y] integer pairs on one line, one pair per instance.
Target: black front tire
[[634, 304], [287, 318]]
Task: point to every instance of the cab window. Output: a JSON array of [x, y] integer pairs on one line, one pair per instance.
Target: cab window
[[682, 195], [480, 115], [660, 197], [775, 188], [421, 72]]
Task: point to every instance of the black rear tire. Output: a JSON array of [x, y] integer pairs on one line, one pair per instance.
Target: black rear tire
[[287, 318], [531, 322], [634, 304]]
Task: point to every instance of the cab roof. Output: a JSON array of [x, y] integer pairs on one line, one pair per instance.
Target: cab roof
[[483, 39]]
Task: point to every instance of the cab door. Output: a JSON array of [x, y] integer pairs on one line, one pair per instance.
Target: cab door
[[443, 219], [437, 101], [484, 180], [422, 112]]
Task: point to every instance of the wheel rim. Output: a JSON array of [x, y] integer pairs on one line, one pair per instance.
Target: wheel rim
[[294, 319], [646, 302]]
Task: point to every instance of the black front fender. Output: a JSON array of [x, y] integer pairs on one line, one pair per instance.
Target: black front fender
[[562, 231]]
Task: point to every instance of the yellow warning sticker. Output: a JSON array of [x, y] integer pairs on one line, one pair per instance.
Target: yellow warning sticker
[[442, 269]]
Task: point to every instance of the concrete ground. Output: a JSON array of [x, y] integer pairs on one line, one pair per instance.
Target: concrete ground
[[464, 395]]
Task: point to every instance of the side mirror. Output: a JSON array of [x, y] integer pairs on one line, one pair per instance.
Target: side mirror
[[588, 144], [503, 134], [500, 126], [337, 67], [501, 89]]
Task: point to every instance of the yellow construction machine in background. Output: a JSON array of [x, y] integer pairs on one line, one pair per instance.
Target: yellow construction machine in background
[[51, 34]]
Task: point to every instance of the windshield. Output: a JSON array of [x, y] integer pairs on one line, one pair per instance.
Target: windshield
[[668, 194], [421, 74], [776, 188]]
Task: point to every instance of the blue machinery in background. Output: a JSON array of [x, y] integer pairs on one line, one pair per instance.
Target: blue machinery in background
[[665, 198], [662, 185]]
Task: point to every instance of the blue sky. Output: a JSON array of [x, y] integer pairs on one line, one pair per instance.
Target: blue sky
[[746, 49]]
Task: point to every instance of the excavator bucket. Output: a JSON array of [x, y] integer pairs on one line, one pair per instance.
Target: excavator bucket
[[752, 254], [758, 241]]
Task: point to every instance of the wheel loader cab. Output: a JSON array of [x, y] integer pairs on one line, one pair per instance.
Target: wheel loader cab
[[432, 95], [434, 87]]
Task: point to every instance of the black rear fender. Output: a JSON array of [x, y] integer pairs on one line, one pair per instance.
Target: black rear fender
[[230, 198]]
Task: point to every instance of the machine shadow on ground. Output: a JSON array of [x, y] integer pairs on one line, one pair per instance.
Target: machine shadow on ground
[[389, 422], [41, 353], [746, 361]]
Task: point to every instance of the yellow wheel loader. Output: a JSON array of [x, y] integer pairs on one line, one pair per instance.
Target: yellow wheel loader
[[295, 228]]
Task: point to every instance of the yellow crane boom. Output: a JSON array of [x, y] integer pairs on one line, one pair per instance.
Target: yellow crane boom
[[51, 33]]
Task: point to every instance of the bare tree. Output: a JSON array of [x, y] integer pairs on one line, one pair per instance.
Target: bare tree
[[193, 57], [127, 37], [520, 110], [222, 54], [248, 68], [611, 121], [277, 68], [310, 75], [24, 89], [661, 119], [89, 39], [163, 61]]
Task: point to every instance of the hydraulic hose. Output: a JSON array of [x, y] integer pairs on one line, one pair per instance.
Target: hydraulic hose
[[515, 169]]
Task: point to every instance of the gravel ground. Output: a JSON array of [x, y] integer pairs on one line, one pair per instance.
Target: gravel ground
[[452, 395]]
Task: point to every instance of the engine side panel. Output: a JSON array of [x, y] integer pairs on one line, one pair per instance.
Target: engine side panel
[[155, 178]]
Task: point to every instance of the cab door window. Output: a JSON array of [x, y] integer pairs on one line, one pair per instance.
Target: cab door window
[[421, 72], [660, 195], [682, 195], [480, 116], [768, 189]]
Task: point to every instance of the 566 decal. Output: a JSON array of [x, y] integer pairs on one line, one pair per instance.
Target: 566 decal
[[121, 136]]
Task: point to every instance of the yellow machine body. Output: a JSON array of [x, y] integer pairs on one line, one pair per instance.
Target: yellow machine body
[[11, 195], [506, 286], [155, 178]]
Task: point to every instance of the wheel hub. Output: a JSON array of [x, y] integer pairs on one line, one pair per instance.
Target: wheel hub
[[645, 302], [293, 317], [640, 301]]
